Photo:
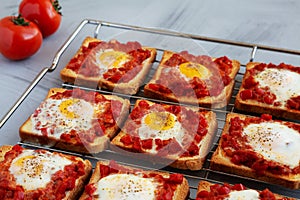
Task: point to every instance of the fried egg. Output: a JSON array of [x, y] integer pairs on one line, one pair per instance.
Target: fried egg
[[275, 142], [33, 169], [244, 195], [64, 115], [163, 125], [126, 187], [189, 70], [283, 83], [108, 59]]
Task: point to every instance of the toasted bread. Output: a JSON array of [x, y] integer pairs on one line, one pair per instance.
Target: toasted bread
[[208, 190], [128, 184], [237, 155], [66, 139], [277, 107], [126, 87], [29, 174], [188, 94], [182, 150]]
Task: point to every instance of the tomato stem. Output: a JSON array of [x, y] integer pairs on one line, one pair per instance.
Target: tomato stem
[[20, 21], [56, 6]]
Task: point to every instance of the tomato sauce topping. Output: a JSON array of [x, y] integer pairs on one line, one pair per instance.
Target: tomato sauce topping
[[236, 146], [194, 123], [166, 185], [103, 121], [122, 74], [61, 182], [252, 89], [221, 191], [171, 81]]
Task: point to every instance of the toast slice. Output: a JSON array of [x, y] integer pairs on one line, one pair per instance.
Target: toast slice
[[207, 190], [109, 65], [272, 89], [111, 180], [197, 80], [260, 148], [174, 135], [76, 120], [40, 174]]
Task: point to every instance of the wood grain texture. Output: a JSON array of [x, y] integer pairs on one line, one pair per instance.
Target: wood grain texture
[[265, 22]]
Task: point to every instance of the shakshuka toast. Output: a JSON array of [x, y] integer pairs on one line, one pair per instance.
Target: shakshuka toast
[[272, 89], [76, 120], [115, 66], [199, 80], [177, 135], [113, 181], [39, 174], [209, 191], [260, 148]]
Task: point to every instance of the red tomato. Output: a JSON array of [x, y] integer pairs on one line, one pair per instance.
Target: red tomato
[[19, 38], [45, 13]]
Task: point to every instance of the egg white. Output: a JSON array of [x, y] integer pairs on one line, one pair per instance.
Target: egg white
[[51, 116], [126, 187], [275, 142], [33, 170], [244, 195], [282, 82]]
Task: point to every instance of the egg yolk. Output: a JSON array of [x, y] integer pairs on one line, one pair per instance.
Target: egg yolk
[[160, 120], [27, 162], [20, 161], [113, 59], [64, 108], [191, 70]]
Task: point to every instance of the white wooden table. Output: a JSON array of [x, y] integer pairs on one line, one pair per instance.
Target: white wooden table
[[267, 22]]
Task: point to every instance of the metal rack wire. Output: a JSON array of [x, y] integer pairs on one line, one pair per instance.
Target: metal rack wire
[[193, 176]]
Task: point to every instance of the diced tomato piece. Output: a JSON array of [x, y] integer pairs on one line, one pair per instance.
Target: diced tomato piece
[[215, 187], [126, 140], [203, 194], [159, 143], [174, 109], [269, 98], [193, 149], [176, 178], [267, 194], [136, 146], [197, 138], [104, 170], [238, 187], [266, 117], [246, 94], [44, 131], [250, 82], [147, 144], [224, 190], [294, 103]]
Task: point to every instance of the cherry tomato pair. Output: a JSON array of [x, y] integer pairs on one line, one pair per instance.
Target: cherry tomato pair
[[22, 36]]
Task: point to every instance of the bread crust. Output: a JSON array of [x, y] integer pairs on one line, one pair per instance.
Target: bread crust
[[176, 161], [131, 87], [98, 145], [208, 101], [180, 193], [221, 162], [205, 185], [80, 182], [253, 106]]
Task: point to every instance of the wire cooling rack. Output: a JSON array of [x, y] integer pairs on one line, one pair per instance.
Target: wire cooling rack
[[96, 28]]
